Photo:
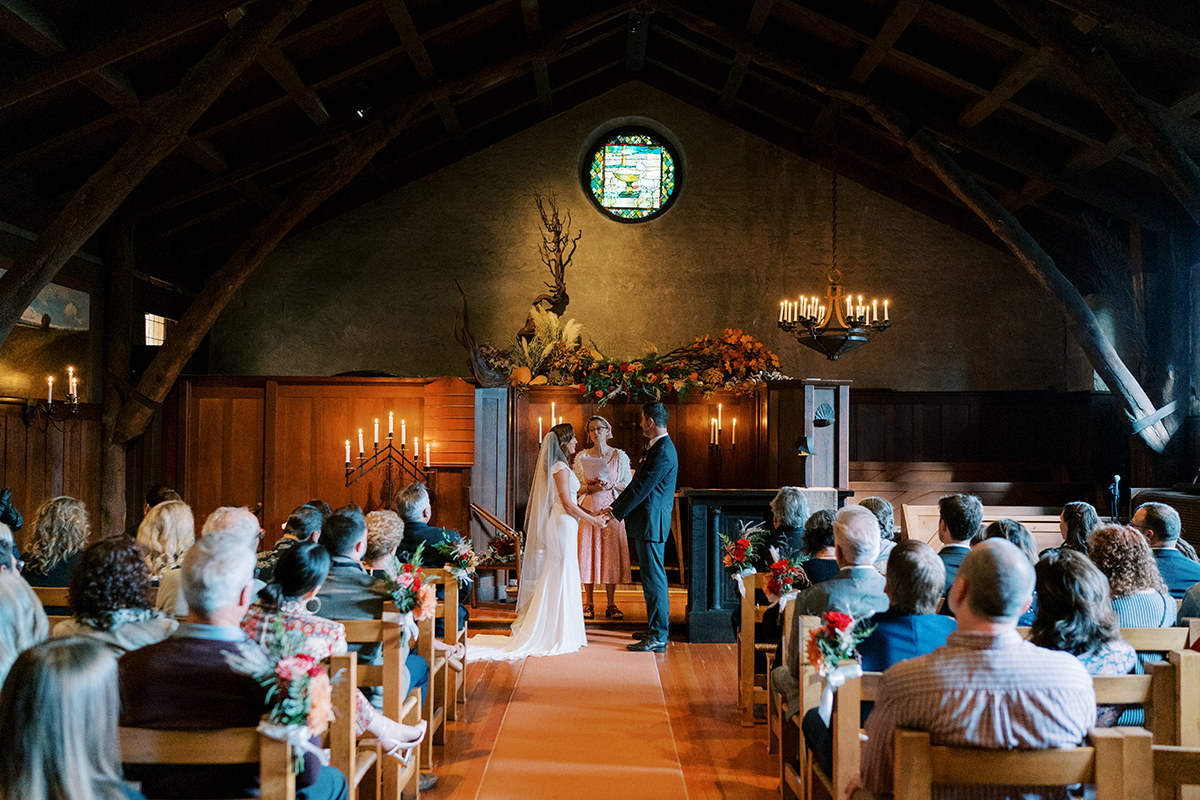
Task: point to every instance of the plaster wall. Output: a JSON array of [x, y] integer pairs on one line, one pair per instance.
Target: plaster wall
[[374, 288]]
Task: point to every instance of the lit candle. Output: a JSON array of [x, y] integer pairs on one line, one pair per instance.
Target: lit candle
[[540, 434], [718, 416], [416, 450], [782, 303], [560, 419], [391, 424], [552, 413], [712, 430], [428, 449], [404, 433], [347, 452], [70, 383], [360, 443], [49, 390], [875, 308], [847, 305], [885, 310], [376, 433], [733, 440], [74, 388]]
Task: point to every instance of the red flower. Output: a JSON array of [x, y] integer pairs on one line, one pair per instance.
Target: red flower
[[583, 388], [743, 543], [599, 393], [774, 587], [624, 366], [779, 567], [838, 620]]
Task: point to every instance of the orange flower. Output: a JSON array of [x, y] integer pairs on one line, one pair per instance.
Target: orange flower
[[815, 659], [320, 694]]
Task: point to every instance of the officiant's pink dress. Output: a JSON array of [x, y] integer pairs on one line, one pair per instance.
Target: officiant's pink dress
[[604, 552]]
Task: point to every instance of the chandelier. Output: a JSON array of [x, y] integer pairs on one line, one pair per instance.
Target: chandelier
[[838, 323]]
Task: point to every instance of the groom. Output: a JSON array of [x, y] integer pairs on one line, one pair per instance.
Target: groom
[[646, 506]]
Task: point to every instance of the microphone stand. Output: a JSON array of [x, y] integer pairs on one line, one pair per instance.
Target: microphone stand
[[1114, 489]]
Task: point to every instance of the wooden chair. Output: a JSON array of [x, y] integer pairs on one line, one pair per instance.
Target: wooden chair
[[389, 675], [1107, 764], [753, 687], [844, 724], [224, 746], [52, 595], [452, 634]]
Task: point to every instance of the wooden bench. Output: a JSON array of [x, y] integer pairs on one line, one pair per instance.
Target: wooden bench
[[219, 746], [753, 687], [390, 676], [792, 755], [1176, 770], [844, 725], [921, 522], [1107, 764], [52, 595], [438, 694], [452, 634]]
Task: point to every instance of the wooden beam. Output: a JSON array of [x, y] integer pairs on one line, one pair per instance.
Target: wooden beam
[[1102, 80], [406, 29], [759, 13], [196, 322], [163, 21], [532, 17], [1015, 78], [281, 68], [929, 151], [154, 140]]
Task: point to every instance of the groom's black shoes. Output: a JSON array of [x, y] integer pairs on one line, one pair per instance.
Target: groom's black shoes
[[647, 646], [642, 636]]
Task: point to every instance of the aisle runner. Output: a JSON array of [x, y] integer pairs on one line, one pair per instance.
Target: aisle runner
[[587, 724]]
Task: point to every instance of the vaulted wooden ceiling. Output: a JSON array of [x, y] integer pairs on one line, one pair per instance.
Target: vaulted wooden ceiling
[[77, 77]]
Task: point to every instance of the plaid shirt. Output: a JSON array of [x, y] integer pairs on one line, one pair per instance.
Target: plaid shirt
[[980, 690]]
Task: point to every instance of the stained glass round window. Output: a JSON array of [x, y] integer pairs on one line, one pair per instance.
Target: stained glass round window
[[632, 175]]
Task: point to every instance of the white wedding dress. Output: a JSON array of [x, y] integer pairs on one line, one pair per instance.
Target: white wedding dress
[[549, 602]]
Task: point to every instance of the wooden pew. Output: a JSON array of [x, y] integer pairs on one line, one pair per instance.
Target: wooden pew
[[52, 595], [753, 687], [1176, 771], [227, 746], [1108, 764], [791, 741], [356, 761], [390, 676], [921, 522], [438, 693], [844, 724], [452, 634]]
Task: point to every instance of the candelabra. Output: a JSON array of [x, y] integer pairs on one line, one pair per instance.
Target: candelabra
[[394, 462], [50, 412]]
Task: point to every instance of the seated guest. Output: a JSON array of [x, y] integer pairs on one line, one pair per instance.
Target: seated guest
[[789, 512], [22, 620], [886, 515], [909, 628], [1139, 594], [1076, 523], [959, 518], [303, 525], [166, 534], [1190, 607], [1018, 534], [986, 687], [819, 547], [185, 680], [110, 599], [322, 506], [60, 532], [351, 592], [1159, 523], [158, 493], [857, 590], [10, 559], [9, 515], [58, 711], [385, 530], [412, 505], [237, 520], [1075, 615], [284, 605]]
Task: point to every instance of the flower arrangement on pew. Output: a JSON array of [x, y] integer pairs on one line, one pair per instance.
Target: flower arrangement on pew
[[407, 588], [831, 644], [787, 577], [501, 550], [299, 690], [737, 555], [460, 558]]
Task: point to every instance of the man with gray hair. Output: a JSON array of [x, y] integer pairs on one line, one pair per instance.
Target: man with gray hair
[[986, 687], [1161, 526], [185, 680], [857, 589], [412, 505]]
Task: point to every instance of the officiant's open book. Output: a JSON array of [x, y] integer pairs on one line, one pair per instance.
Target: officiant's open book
[[592, 466]]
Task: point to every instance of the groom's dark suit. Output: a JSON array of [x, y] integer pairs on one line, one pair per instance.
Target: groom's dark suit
[[646, 506]]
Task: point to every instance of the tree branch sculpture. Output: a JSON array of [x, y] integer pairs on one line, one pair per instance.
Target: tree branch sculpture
[[557, 249]]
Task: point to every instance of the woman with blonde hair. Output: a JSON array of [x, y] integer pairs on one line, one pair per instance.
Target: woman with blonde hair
[[603, 549], [58, 709], [22, 620], [165, 535], [60, 532]]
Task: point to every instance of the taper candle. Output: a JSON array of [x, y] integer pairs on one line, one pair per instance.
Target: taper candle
[[347, 452], [360, 443], [416, 449], [718, 416], [733, 440], [49, 390], [391, 424], [428, 449], [377, 433], [540, 434]]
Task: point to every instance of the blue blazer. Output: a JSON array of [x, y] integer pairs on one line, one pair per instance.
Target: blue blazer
[[648, 500], [1178, 571], [898, 637]]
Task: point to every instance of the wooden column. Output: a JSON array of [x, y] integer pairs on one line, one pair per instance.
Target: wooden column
[[155, 139], [118, 321]]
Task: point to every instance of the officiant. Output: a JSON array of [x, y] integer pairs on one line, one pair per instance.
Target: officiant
[[603, 472]]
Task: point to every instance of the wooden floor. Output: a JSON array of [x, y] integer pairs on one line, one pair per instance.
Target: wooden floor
[[720, 758]]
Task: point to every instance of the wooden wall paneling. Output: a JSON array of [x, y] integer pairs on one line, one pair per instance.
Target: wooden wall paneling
[[450, 421], [489, 475], [270, 438]]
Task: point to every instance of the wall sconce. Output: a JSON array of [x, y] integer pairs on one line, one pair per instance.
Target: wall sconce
[[50, 411], [804, 446]]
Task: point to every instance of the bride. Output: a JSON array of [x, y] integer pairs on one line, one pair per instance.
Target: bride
[[549, 602]]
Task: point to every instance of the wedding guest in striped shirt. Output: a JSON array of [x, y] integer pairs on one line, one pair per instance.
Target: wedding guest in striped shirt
[[987, 687]]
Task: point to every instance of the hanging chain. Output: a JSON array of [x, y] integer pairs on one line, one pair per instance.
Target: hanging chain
[[833, 193]]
